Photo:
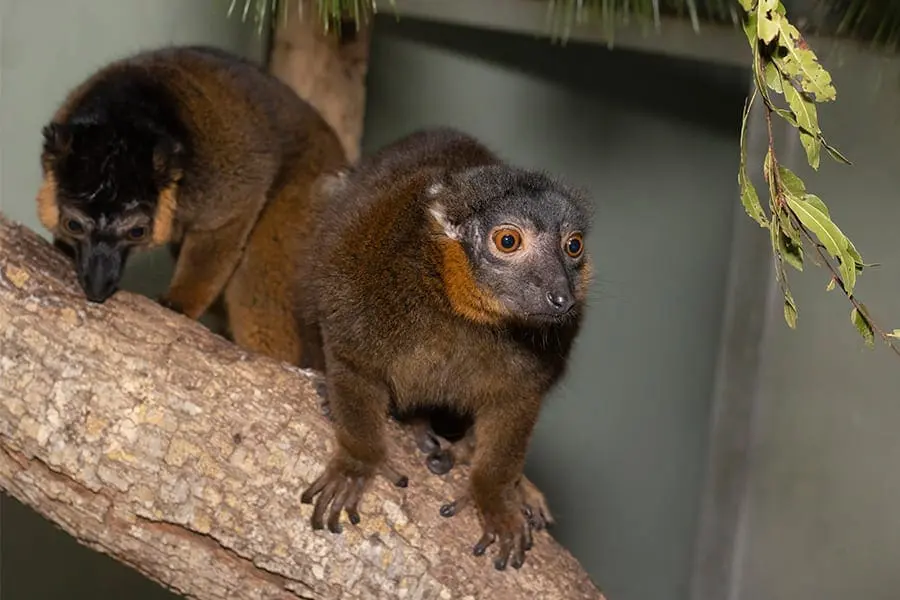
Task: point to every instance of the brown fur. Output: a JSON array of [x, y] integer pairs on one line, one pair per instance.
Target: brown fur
[[390, 298], [234, 210]]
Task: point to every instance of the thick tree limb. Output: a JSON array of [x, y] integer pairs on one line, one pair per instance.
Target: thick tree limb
[[148, 438]]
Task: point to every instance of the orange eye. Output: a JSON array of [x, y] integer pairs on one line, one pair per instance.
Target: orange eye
[[507, 240], [575, 245]]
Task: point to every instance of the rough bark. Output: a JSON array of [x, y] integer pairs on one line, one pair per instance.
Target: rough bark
[[327, 72], [151, 439]]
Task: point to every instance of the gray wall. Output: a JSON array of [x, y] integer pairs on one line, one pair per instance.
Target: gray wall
[[620, 448], [821, 512], [46, 47]]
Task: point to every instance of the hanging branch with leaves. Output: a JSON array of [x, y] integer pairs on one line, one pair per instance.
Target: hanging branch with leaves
[[783, 64]]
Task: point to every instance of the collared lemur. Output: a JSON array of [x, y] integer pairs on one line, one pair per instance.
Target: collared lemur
[[436, 275], [199, 149]]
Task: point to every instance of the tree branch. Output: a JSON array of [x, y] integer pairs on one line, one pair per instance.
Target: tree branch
[[326, 70], [149, 438]]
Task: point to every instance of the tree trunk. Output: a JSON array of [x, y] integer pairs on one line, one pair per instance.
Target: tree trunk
[[151, 439], [327, 72]]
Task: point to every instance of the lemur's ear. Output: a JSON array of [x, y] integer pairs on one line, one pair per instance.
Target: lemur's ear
[[57, 142], [459, 193]]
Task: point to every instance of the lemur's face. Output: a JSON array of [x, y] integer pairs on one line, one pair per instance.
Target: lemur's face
[[100, 197], [524, 236]]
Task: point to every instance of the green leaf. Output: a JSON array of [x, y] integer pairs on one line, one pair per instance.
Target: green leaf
[[817, 202], [790, 315], [750, 32], [749, 197], [829, 234], [833, 152], [854, 253], [791, 182], [863, 326], [800, 64], [774, 79], [790, 309], [788, 229], [894, 334], [747, 4], [805, 112], [768, 21], [750, 200], [813, 148], [792, 252]]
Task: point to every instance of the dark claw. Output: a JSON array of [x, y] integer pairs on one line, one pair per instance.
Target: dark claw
[[486, 540], [394, 476], [439, 462], [500, 563], [324, 404], [427, 443], [353, 516], [448, 510]]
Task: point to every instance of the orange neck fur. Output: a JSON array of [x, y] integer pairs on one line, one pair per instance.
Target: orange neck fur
[[164, 218], [466, 297], [48, 210]]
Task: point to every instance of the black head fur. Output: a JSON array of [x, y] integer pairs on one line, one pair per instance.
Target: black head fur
[[120, 146], [540, 282]]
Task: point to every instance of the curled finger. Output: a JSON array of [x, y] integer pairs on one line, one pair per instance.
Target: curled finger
[[334, 512], [315, 487], [506, 545], [322, 503]]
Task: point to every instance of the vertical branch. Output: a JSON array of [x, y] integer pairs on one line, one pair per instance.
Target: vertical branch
[[328, 70]]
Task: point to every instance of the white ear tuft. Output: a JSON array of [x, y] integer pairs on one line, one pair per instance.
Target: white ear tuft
[[434, 189], [439, 214], [330, 183]]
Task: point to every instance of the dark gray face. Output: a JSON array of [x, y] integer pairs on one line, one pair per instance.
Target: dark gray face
[[524, 236], [100, 247]]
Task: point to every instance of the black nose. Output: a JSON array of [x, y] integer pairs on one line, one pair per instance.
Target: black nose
[[100, 274], [98, 287], [560, 301]]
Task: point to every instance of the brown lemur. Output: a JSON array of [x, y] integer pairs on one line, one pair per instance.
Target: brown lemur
[[439, 276], [199, 149]]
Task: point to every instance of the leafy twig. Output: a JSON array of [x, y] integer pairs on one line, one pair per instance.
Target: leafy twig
[[861, 311], [784, 64]]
